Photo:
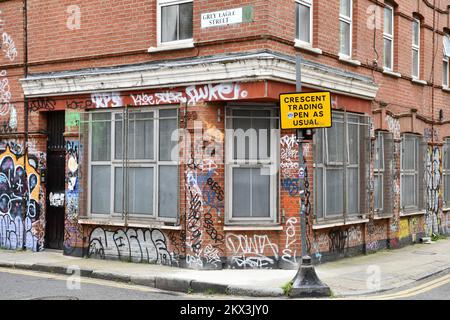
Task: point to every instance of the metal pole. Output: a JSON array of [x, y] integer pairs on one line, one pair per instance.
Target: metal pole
[[301, 160]]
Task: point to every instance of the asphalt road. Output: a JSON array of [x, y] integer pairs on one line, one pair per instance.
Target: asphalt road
[[30, 285]]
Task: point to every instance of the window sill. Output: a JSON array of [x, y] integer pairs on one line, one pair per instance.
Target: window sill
[[349, 60], [412, 213], [392, 73], [446, 88], [325, 225], [380, 217], [121, 223], [307, 47], [420, 82], [180, 46], [252, 228], [446, 209]]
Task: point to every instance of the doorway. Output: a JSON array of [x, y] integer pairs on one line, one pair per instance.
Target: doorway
[[54, 229]]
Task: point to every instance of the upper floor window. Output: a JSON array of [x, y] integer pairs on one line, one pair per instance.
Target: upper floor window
[[251, 155], [415, 48], [411, 173], [131, 159], [388, 37], [303, 19], [345, 27], [175, 21], [341, 167], [445, 64]]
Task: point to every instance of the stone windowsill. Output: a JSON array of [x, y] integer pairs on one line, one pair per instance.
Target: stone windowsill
[[346, 59], [306, 46], [446, 88], [380, 217], [133, 224], [418, 81], [392, 73], [412, 213], [328, 224], [251, 227], [179, 46]]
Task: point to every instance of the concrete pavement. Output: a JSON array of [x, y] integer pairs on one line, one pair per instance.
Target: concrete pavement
[[385, 270]]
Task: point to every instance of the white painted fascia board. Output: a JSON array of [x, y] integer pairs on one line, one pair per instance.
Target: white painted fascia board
[[250, 69]]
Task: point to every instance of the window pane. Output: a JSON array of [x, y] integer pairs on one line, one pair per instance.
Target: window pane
[[415, 32], [101, 136], [303, 22], [388, 53], [142, 124], [241, 143], [241, 192], [261, 123], [334, 190], [169, 23], [408, 189], [388, 20], [445, 73], [409, 153], [353, 143], [345, 38], [415, 69], [100, 189], [378, 193], [446, 156], [166, 145], [140, 190], [319, 192], [379, 156], [318, 140], [118, 136], [346, 7], [447, 190], [352, 191], [168, 191], [185, 21], [260, 193], [335, 143]]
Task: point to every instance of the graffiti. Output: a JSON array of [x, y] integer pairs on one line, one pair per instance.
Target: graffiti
[[42, 104], [215, 188], [404, 228], [290, 255], [192, 95], [338, 240], [372, 245], [290, 185], [9, 48], [394, 224], [106, 100], [393, 126], [376, 231], [430, 134], [251, 252], [72, 192], [355, 234], [433, 173], [19, 201], [56, 199], [177, 241], [212, 255], [289, 156], [79, 104], [73, 235], [72, 120], [5, 94], [133, 245]]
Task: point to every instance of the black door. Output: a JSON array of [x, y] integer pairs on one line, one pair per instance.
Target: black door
[[54, 235]]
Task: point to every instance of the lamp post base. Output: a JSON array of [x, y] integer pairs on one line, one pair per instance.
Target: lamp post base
[[306, 284]]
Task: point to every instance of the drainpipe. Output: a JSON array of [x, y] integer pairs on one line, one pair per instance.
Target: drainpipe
[[25, 103]]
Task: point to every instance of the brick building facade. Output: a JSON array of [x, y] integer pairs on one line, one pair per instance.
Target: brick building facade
[[163, 94]]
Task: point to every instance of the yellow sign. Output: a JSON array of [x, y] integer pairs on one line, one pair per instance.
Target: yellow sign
[[305, 110]]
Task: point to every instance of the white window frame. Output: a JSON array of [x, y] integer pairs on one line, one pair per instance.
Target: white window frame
[[445, 72], [176, 43], [114, 163], [389, 37], [415, 48], [349, 21], [410, 172], [269, 164], [307, 3]]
